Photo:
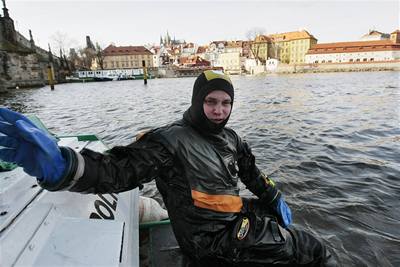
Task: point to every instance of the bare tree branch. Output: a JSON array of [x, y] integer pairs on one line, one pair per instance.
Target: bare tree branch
[[252, 35], [61, 41]]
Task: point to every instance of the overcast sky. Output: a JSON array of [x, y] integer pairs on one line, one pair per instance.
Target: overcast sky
[[141, 22]]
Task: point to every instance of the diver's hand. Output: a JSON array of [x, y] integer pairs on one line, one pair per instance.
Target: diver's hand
[[30, 147], [284, 213]]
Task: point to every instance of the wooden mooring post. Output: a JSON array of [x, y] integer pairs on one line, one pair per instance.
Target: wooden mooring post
[[50, 76], [144, 71]]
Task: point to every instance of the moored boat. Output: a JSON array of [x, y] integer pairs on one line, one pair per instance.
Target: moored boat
[[110, 75], [42, 228]]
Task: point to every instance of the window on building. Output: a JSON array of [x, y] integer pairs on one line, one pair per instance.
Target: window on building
[[365, 59], [371, 59], [358, 60], [351, 60], [316, 61], [323, 61]]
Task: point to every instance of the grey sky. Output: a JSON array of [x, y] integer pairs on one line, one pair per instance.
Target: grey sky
[[139, 22]]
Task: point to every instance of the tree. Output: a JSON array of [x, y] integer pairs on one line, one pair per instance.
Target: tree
[[99, 56], [75, 60], [62, 42]]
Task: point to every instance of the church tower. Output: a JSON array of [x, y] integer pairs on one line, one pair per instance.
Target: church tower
[[7, 29]]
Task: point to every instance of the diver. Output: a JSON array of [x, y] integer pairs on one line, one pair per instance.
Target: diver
[[196, 162]]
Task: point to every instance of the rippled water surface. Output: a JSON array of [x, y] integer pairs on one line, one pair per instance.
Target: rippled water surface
[[331, 141]]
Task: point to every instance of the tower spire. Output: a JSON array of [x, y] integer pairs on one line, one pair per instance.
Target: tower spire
[[5, 10], [31, 41], [50, 54]]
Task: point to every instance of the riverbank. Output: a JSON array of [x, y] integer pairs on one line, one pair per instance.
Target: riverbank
[[337, 67], [281, 69]]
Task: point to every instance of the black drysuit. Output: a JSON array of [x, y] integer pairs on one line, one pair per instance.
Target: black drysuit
[[197, 175], [196, 164]]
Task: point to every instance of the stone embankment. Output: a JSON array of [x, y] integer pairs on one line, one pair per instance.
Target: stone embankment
[[338, 67], [21, 70]]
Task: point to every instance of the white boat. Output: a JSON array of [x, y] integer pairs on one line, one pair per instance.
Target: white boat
[[42, 228], [111, 75]]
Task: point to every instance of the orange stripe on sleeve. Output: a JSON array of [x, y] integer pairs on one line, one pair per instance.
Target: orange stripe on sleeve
[[221, 203]]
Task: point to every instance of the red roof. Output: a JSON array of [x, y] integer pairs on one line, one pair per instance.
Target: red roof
[[289, 36], [201, 49], [218, 42], [188, 45], [112, 50], [262, 38], [360, 46]]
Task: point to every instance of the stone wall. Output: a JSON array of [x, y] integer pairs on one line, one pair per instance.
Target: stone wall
[[21, 70], [338, 67], [22, 64]]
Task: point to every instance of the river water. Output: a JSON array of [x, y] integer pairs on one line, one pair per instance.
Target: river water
[[330, 141]]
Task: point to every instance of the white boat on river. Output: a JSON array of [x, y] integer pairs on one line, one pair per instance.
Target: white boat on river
[[42, 228], [111, 75]]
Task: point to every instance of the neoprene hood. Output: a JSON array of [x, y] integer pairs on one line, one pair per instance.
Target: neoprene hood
[[207, 82]]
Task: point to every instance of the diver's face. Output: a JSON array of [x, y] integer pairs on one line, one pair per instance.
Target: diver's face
[[217, 106]]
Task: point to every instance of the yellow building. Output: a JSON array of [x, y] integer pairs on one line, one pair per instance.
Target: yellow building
[[229, 61], [261, 47], [395, 36], [291, 47], [126, 57]]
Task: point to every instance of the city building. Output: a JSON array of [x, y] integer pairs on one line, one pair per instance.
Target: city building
[[261, 47], [156, 51], [127, 57], [374, 35], [212, 51], [291, 47], [188, 49], [359, 51], [201, 51], [246, 48], [229, 61], [167, 41], [193, 62]]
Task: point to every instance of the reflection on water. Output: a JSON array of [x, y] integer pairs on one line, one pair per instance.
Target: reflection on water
[[331, 141]]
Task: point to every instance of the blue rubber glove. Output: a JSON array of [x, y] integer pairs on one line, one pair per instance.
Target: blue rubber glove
[[30, 147], [283, 211]]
